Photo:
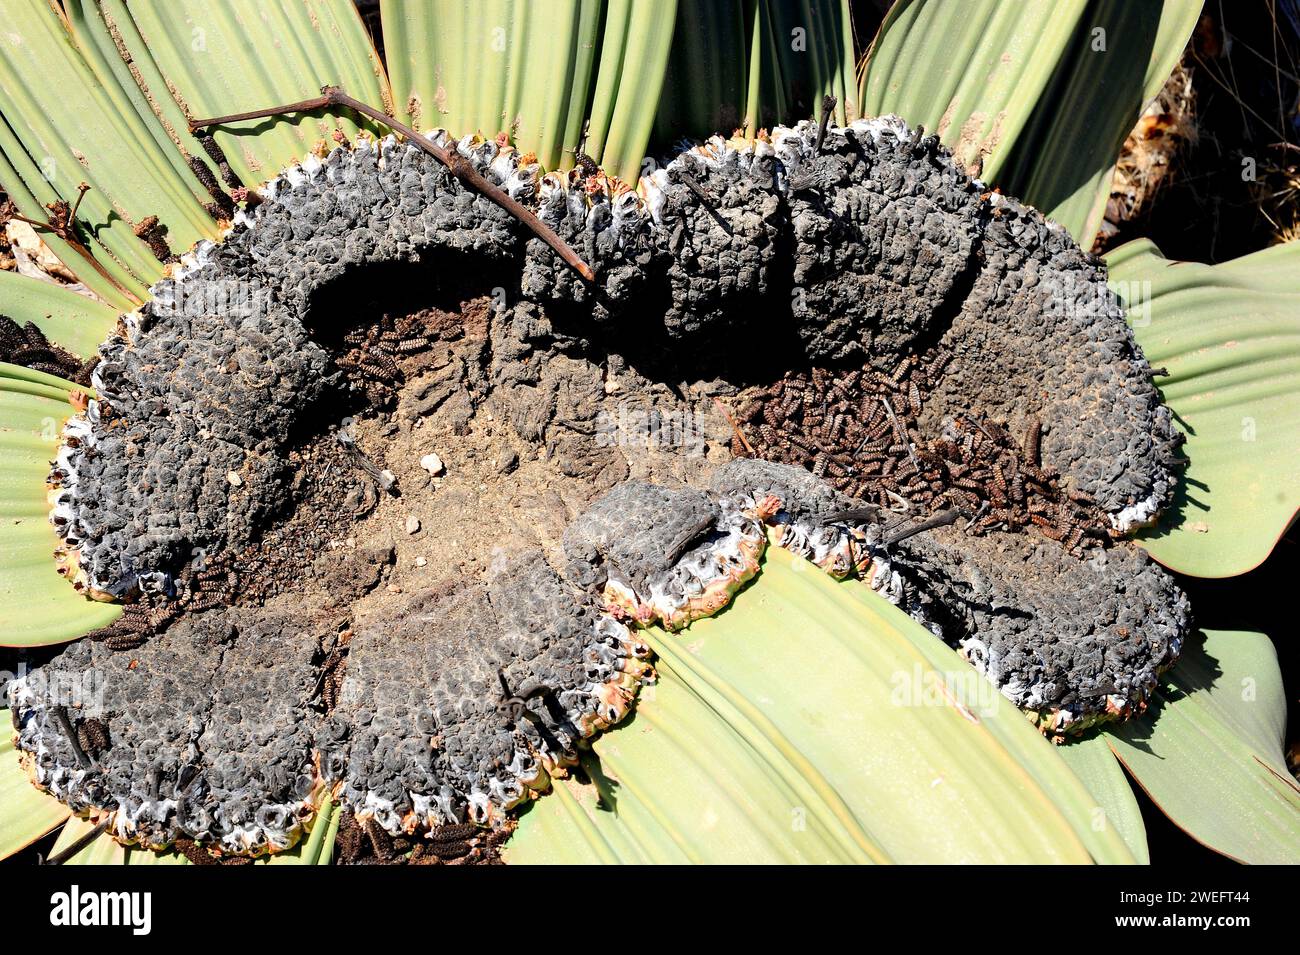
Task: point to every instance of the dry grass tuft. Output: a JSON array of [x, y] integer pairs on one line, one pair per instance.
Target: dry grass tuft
[[1277, 190]]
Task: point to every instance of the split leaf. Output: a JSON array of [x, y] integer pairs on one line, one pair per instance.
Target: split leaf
[[1045, 92]]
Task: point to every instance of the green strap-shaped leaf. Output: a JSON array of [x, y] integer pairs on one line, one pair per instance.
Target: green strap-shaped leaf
[[688, 69], [971, 72], [633, 61], [1229, 335], [22, 180], [1008, 727], [1209, 752], [1116, 805], [242, 55], [26, 814], [1046, 91], [494, 66], [97, 28], [77, 125], [538, 71], [813, 57], [37, 606], [101, 29], [71, 321], [814, 722], [751, 64], [706, 88]]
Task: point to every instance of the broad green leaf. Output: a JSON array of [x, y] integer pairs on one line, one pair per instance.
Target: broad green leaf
[[1045, 91], [26, 814], [1094, 763], [814, 57], [1209, 752], [1229, 335], [814, 722], [1007, 726], [537, 71], [971, 72], [625, 67], [240, 55], [72, 321], [37, 606], [30, 381], [101, 30], [706, 87]]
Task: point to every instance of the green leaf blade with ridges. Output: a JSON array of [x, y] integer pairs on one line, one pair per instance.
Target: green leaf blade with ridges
[[37, 606], [77, 125], [1229, 336], [23, 182], [497, 66], [97, 29], [637, 41], [1020, 741], [814, 58], [537, 72], [1209, 751], [751, 64], [1028, 87], [243, 55], [1096, 766], [1066, 162], [813, 722], [629, 68], [970, 72], [705, 89], [72, 321]]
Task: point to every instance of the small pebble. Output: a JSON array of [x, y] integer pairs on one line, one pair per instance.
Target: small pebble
[[412, 525], [432, 463], [234, 479], [420, 562]]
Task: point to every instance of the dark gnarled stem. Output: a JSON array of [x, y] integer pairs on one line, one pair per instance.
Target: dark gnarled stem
[[456, 164]]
